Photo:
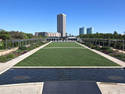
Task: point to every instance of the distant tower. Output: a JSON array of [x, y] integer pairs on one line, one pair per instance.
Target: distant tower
[[89, 30], [81, 30], [61, 24]]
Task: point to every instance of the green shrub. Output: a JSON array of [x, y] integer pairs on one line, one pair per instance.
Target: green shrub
[[109, 50], [18, 51], [10, 56], [93, 46], [7, 57], [105, 48], [119, 56], [23, 47], [1, 45], [98, 48], [89, 45], [3, 58]]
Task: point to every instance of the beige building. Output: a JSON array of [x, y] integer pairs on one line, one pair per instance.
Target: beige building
[[61, 28], [61, 24], [48, 34], [51, 34]]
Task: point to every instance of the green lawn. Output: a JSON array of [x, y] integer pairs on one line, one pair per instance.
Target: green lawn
[[62, 44], [77, 56]]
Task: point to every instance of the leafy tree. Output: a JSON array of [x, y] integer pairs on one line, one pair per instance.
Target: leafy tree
[[18, 35], [4, 35], [29, 35], [115, 35]]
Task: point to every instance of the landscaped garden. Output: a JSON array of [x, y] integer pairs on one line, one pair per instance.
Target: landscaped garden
[[65, 54], [105, 48], [22, 49]]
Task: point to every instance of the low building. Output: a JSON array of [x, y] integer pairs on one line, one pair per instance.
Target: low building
[[40, 33], [48, 34], [72, 38]]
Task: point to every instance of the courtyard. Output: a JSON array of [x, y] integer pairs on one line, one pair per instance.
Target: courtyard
[[65, 54], [31, 71]]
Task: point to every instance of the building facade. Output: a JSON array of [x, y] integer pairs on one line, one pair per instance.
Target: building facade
[[89, 30], [61, 28], [61, 24], [40, 33], [81, 30], [48, 34]]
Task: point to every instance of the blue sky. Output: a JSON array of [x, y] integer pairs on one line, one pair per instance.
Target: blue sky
[[40, 15]]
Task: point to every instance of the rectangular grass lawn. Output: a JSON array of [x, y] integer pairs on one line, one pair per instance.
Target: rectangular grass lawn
[[65, 54]]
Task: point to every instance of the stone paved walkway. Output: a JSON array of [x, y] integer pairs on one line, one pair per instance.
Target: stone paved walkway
[[70, 87], [112, 88], [25, 88], [64, 87]]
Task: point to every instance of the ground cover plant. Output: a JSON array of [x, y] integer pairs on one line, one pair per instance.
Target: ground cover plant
[[65, 54]]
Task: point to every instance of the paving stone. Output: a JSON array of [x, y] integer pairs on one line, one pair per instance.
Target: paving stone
[[71, 87]]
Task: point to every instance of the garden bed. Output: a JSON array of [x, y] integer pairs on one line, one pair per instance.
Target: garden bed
[[20, 51], [5, 52], [108, 50]]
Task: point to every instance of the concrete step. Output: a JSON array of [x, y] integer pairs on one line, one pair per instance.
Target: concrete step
[[70, 87]]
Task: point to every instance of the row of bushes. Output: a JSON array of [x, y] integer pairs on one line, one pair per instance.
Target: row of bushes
[[22, 49], [108, 50]]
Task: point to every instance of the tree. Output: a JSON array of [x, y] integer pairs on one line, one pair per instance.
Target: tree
[[29, 35], [18, 35], [115, 33], [4, 35]]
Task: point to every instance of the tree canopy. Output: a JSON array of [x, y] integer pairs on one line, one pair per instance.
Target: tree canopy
[[15, 35], [115, 35]]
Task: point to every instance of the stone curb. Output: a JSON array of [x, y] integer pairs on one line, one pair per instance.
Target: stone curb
[[22, 84], [94, 67]]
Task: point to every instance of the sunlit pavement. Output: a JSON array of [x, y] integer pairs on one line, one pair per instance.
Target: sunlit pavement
[[63, 87]]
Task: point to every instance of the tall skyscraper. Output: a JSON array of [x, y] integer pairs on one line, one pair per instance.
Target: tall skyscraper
[[89, 30], [81, 30], [61, 24]]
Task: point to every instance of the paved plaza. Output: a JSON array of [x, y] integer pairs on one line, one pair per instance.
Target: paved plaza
[[64, 87], [62, 79]]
